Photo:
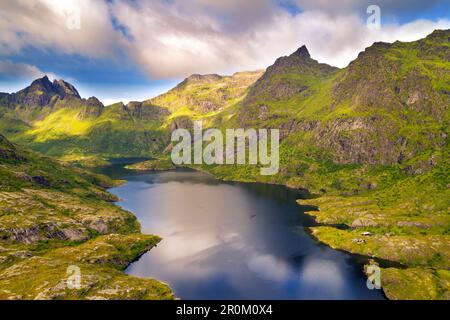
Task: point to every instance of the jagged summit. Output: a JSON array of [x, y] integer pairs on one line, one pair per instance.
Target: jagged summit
[[211, 76], [198, 79], [300, 62], [65, 89], [42, 83], [288, 76], [302, 52], [45, 87], [43, 93]]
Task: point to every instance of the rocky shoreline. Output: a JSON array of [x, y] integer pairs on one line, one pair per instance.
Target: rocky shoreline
[[415, 267]]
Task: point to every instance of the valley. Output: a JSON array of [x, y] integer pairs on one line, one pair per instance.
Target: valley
[[369, 142]]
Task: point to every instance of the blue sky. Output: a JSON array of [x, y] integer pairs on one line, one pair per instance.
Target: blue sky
[[122, 50]]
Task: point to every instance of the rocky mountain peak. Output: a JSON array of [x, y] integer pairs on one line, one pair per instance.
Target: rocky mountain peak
[[287, 77], [198, 79], [44, 79], [43, 84], [92, 108], [38, 94], [43, 93], [94, 102], [440, 33], [302, 52], [65, 89]]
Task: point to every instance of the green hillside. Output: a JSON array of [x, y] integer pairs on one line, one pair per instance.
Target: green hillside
[[69, 127], [53, 216]]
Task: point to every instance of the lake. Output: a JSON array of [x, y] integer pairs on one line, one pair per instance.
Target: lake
[[225, 240]]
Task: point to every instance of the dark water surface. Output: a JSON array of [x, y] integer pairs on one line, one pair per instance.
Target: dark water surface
[[232, 240]]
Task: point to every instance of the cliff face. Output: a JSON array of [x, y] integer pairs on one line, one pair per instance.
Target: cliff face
[[145, 111], [398, 102], [386, 107]]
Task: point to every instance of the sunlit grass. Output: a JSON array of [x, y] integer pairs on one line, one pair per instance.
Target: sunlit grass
[[63, 122]]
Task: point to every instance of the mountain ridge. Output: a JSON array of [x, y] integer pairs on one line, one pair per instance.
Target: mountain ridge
[[282, 79], [370, 139]]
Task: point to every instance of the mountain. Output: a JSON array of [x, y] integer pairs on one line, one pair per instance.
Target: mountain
[[207, 94], [53, 119], [370, 141], [53, 216], [287, 77], [387, 107], [42, 92]]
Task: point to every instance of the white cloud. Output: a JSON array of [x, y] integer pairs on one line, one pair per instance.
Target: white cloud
[[53, 24], [269, 267], [21, 71], [337, 39], [172, 39], [388, 7]]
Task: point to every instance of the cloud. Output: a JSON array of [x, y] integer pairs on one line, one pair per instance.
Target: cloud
[[321, 273], [360, 6], [74, 27], [170, 39], [173, 39], [269, 267], [239, 15], [337, 39], [20, 71]]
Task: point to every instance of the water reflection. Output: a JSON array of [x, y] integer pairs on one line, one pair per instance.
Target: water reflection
[[234, 241]]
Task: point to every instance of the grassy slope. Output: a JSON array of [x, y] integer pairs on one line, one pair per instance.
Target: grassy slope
[[53, 216], [63, 133], [205, 96]]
